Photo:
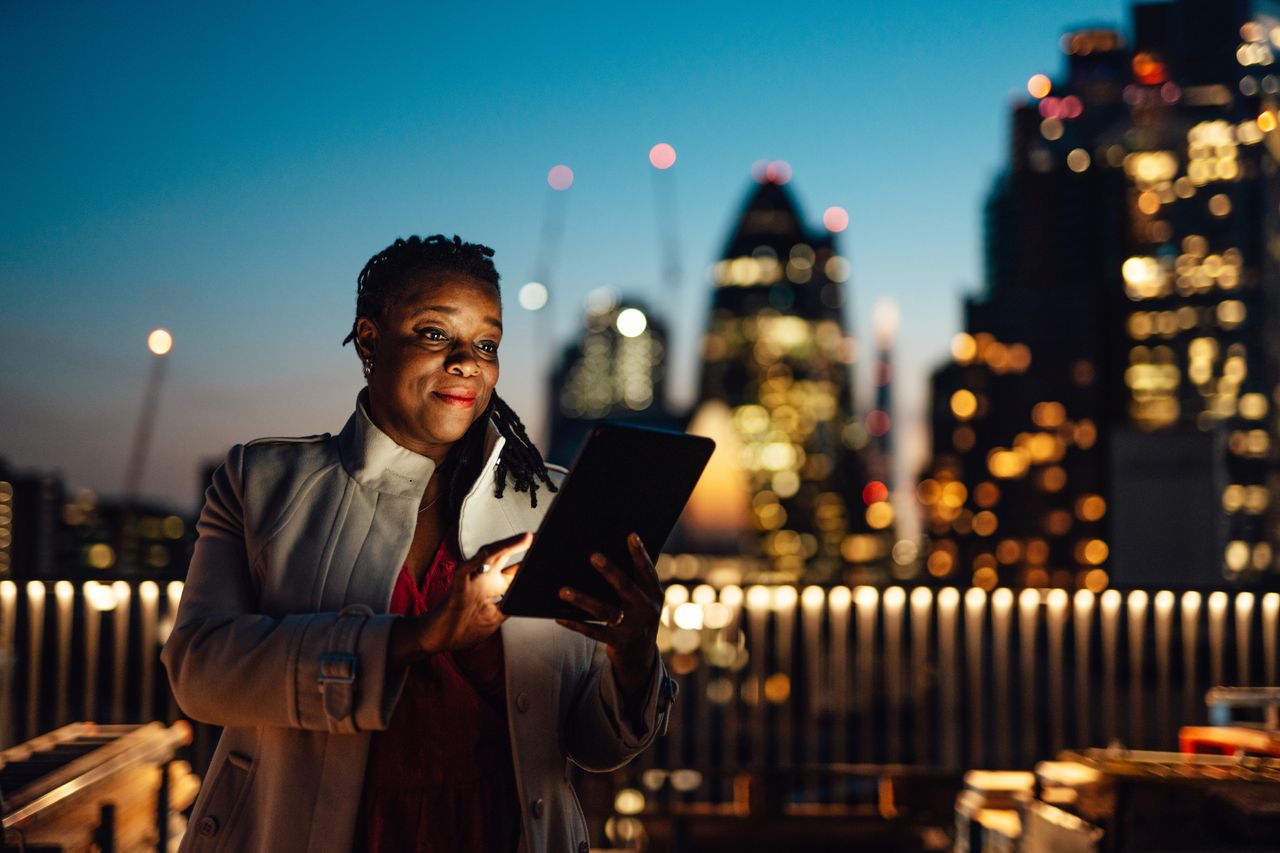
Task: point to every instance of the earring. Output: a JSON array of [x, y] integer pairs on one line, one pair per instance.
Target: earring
[[368, 367]]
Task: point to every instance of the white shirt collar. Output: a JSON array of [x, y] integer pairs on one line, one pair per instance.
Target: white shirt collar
[[374, 459]]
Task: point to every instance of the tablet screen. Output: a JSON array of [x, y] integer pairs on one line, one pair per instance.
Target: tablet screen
[[624, 479]]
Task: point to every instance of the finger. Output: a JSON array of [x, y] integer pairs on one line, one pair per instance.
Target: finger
[[496, 553], [508, 572], [595, 632], [592, 605], [646, 571], [624, 585]]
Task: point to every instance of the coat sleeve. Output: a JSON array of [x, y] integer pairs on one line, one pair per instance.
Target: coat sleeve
[[601, 732], [233, 666]]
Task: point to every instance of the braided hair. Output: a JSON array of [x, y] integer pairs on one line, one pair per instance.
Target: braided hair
[[379, 285]]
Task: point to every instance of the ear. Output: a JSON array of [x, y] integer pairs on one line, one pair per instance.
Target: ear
[[366, 339]]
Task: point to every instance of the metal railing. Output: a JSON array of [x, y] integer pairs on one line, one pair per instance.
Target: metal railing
[[774, 677]]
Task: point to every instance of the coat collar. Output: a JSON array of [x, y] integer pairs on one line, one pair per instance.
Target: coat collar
[[373, 458]]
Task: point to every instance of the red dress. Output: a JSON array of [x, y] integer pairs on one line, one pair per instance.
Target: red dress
[[441, 777]]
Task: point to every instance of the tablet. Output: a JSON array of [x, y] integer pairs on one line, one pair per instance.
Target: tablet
[[624, 479]]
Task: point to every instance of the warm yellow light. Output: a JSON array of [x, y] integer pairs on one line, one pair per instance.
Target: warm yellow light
[[1149, 203], [879, 515], [1091, 507], [1008, 464], [784, 597], [688, 616], [1267, 121], [939, 564], [1237, 556], [100, 556], [1253, 406], [1039, 85], [983, 579], [758, 597], [1144, 278], [964, 404], [160, 341], [99, 596], [1095, 551], [628, 801], [964, 348], [777, 688], [1096, 580], [1078, 160], [985, 523], [1048, 414]]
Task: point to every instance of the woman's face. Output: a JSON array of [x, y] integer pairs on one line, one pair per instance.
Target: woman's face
[[435, 360]]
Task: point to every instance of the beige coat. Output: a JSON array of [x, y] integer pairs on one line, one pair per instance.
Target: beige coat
[[282, 636]]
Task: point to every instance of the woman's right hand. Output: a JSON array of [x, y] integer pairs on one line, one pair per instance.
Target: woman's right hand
[[469, 612]]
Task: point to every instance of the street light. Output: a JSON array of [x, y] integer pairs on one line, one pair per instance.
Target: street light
[[160, 343]]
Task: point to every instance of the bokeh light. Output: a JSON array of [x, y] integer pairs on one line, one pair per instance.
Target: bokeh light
[[662, 156], [835, 219], [560, 177], [533, 296], [1039, 85], [160, 341], [771, 171], [874, 492], [631, 322]]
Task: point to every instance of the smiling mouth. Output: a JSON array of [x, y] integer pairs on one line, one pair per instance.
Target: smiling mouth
[[463, 402]]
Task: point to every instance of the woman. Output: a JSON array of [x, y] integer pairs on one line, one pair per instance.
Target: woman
[[339, 618]]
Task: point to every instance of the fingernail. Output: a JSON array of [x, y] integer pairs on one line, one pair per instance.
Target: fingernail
[[597, 560], [565, 592]]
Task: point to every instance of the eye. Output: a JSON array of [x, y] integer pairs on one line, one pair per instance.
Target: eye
[[431, 333], [491, 347]]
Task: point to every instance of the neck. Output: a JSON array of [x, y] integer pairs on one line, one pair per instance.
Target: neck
[[431, 496]]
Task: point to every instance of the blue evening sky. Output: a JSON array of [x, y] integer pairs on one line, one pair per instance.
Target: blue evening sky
[[225, 171]]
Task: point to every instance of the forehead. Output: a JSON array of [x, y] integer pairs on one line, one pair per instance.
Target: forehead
[[461, 293]]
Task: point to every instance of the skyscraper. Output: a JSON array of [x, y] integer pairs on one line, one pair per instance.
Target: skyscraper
[[617, 370], [775, 393], [1107, 416]]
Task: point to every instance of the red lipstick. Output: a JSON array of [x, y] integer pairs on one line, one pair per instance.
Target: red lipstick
[[463, 398]]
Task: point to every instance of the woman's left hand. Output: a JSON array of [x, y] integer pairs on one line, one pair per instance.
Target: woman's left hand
[[629, 632]]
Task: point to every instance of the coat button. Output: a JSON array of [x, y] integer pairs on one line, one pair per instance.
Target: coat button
[[522, 702], [208, 826], [537, 807], [583, 847]]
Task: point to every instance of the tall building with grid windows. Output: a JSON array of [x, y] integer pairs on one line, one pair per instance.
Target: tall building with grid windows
[[787, 485], [1109, 415]]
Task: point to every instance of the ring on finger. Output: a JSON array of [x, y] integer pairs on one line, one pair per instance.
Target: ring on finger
[[617, 620], [484, 569]]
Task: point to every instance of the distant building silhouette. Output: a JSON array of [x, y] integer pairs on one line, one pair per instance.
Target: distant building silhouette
[[616, 371], [1107, 416], [32, 533], [46, 534], [786, 483]]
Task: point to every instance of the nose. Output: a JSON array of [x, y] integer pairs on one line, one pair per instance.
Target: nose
[[460, 362]]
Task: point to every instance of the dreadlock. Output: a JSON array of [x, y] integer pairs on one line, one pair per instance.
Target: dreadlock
[[379, 285]]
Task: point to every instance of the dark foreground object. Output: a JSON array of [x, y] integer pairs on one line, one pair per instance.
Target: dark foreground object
[[89, 787]]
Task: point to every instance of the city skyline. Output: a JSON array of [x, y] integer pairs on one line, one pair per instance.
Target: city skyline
[[179, 170]]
